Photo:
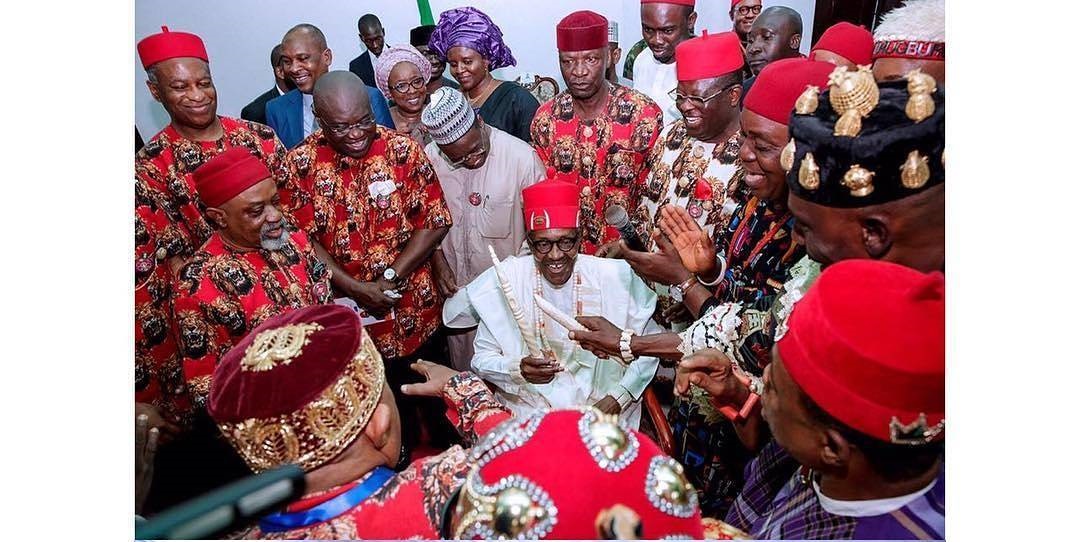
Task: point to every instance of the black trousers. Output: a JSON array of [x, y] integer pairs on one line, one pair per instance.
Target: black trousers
[[417, 412]]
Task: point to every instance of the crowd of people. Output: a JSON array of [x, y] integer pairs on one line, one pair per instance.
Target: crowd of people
[[702, 298]]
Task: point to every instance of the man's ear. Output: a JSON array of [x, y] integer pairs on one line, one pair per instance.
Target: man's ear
[[836, 453], [378, 427], [796, 40], [875, 236], [691, 20], [736, 95], [329, 57], [217, 216], [154, 91]]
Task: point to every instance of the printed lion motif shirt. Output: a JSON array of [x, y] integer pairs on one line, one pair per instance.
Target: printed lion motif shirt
[[167, 161], [158, 378], [605, 157], [364, 211], [410, 503], [224, 292], [703, 178]]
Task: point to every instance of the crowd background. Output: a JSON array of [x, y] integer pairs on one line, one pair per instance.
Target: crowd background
[[239, 56]]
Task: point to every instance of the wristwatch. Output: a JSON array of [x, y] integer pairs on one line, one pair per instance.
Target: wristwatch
[[678, 292], [390, 274]]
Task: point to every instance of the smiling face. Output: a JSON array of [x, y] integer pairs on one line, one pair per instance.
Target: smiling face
[[437, 64], [407, 75], [468, 66], [664, 26], [184, 88], [253, 218], [743, 16], [557, 265], [763, 140], [707, 122], [303, 60]]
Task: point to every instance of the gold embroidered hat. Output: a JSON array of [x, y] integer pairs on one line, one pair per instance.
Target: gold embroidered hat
[[872, 144], [572, 474], [297, 389]]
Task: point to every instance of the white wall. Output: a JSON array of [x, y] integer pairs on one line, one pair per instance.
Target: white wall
[[240, 33]]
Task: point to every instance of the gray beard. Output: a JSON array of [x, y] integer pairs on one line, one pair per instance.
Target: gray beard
[[269, 243]]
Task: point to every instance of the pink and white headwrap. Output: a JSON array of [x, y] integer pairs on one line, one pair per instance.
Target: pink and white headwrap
[[393, 55]]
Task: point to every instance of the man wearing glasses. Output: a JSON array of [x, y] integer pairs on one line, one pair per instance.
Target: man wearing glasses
[[695, 164], [743, 13], [419, 38], [370, 201], [482, 171], [565, 375]]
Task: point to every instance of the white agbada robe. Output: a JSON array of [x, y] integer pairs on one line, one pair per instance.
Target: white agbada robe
[[609, 288]]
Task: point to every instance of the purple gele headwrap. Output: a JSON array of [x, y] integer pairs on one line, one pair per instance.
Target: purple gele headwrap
[[471, 28], [392, 56]]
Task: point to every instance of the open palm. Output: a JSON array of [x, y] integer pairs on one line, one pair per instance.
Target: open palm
[[694, 245]]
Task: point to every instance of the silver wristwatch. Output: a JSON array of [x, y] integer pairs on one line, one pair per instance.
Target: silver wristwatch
[[389, 274]]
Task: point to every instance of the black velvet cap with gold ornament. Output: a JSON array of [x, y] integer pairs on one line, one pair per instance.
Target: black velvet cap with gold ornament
[[859, 143]]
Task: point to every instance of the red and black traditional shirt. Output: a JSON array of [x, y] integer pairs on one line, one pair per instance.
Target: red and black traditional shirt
[[158, 378], [166, 162], [364, 211], [224, 292], [408, 505], [605, 156]]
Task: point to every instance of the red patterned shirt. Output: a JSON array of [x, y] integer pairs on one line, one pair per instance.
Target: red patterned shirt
[[410, 504], [158, 378], [166, 162], [223, 293], [605, 157], [364, 211]]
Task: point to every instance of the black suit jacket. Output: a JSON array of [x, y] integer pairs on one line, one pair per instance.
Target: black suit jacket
[[363, 67], [256, 110]]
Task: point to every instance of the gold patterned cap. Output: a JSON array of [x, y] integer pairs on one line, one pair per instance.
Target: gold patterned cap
[[298, 389], [516, 491]]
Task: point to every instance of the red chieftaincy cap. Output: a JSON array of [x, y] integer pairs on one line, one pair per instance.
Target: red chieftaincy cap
[[710, 55], [606, 480], [228, 174], [867, 344], [550, 205], [852, 42], [166, 44], [777, 87], [581, 31]]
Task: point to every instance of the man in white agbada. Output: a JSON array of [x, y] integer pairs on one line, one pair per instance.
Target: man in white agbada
[[551, 371]]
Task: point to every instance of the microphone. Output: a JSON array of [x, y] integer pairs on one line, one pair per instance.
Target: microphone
[[616, 217]]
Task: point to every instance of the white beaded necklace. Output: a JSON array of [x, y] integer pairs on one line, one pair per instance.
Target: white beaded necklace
[[539, 318]]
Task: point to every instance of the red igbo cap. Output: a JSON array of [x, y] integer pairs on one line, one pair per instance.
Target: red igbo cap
[[689, 3], [228, 174], [710, 55], [581, 31], [852, 42], [550, 205], [165, 45], [867, 344], [577, 488], [777, 87]]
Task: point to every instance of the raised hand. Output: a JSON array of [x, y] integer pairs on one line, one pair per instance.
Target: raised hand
[[693, 244]]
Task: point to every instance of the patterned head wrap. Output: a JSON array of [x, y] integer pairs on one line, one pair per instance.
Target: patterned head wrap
[[470, 27], [392, 56]]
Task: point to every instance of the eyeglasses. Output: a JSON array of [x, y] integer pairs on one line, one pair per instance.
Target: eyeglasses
[[404, 86], [745, 10], [698, 101], [543, 246], [339, 130], [485, 146]]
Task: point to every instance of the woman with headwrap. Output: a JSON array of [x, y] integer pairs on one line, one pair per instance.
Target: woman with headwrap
[[473, 46], [402, 74]]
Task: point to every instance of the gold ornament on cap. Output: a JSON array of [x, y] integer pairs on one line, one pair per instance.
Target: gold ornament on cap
[[278, 345], [787, 156], [515, 512], [809, 173], [808, 100], [859, 180], [853, 95], [920, 86], [667, 488], [915, 171]]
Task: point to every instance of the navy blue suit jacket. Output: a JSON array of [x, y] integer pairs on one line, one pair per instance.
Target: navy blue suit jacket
[[285, 114]]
